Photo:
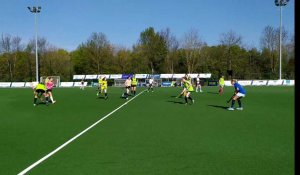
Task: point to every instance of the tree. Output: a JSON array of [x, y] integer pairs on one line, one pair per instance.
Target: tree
[[153, 49], [290, 58], [98, 50], [270, 41], [10, 47], [172, 46], [230, 39], [80, 61], [121, 62], [192, 46]]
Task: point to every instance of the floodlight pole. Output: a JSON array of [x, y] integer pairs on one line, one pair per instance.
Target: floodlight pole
[[280, 3], [36, 10], [280, 40]]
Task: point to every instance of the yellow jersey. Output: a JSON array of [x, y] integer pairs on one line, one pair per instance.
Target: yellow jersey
[[40, 86], [221, 82], [134, 81], [100, 82], [188, 85], [103, 84]]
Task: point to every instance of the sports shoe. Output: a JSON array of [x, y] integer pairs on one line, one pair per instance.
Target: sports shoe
[[240, 108], [193, 101], [34, 104], [53, 101], [201, 91], [230, 109], [127, 98]]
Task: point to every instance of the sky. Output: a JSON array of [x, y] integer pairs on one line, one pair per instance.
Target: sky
[[68, 23]]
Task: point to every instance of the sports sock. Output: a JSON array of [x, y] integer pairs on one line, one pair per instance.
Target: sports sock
[[34, 100], [190, 98], [232, 103], [51, 97], [134, 92], [240, 103], [186, 101]]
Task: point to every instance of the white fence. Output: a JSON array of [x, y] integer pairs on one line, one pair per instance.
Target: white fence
[[227, 83], [263, 83]]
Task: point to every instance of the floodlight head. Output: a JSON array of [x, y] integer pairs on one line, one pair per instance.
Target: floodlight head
[[281, 2], [39, 7], [285, 2], [29, 8]]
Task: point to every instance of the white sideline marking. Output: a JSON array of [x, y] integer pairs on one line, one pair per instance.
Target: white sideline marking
[[75, 137]]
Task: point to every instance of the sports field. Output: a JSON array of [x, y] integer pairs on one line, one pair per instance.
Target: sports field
[[153, 133]]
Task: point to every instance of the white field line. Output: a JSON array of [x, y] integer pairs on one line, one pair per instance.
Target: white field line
[[75, 137]]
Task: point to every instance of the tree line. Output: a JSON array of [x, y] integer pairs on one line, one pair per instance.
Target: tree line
[[154, 52]]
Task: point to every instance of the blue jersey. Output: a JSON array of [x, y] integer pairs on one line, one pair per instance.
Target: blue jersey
[[239, 88]]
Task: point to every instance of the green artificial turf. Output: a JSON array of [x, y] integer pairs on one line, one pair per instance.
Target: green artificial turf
[[155, 133]]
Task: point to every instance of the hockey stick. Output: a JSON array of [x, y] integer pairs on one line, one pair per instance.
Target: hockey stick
[[230, 98]]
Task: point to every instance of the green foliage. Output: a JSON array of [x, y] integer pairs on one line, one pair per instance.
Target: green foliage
[[153, 48], [156, 52]]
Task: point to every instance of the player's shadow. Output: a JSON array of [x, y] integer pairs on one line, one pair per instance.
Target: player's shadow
[[100, 97], [173, 96], [218, 106], [178, 102], [212, 92]]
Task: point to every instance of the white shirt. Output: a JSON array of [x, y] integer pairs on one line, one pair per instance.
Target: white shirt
[[150, 81]]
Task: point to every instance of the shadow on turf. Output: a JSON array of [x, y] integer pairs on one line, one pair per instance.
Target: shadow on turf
[[178, 102], [218, 106], [212, 92]]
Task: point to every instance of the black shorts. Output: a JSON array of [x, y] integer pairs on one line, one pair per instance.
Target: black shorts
[[48, 90], [150, 85], [133, 85], [40, 91], [127, 87]]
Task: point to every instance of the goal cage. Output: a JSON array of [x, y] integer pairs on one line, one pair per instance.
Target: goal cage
[[56, 80]]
